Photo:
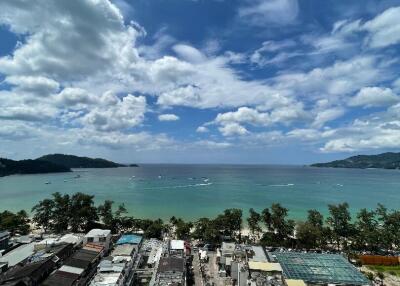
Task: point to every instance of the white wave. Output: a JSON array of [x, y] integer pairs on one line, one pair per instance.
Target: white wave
[[284, 185]]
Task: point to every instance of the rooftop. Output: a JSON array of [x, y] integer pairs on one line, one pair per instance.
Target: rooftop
[[98, 232], [129, 239], [4, 234], [265, 266], [61, 278], [259, 254], [177, 244], [171, 264], [123, 250], [18, 255], [320, 268]]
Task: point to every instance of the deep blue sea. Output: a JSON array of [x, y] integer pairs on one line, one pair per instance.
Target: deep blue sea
[[193, 191]]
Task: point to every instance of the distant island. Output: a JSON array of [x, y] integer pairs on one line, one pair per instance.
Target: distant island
[[72, 161], [387, 160], [54, 163], [11, 167]]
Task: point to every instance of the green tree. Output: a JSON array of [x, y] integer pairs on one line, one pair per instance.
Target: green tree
[[340, 223], [16, 223], [253, 222], [183, 229], [230, 222], [61, 212], [44, 214], [279, 228], [83, 212], [206, 230], [367, 231]]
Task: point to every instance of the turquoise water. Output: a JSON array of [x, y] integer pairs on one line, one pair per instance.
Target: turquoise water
[[184, 191]]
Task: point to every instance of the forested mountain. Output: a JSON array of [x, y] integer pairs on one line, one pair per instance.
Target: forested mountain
[[72, 161], [11, 167], [382, 161]]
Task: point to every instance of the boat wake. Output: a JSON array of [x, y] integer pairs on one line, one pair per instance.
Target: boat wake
[[182, 186], [284, 185]]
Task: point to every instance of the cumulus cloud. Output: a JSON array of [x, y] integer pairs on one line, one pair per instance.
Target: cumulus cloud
[[374, 96], [168, 117], [233, 128]]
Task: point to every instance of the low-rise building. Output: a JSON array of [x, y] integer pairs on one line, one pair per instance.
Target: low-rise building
[[4, 239], [171, 271], [177, 248], [18, 255], [98, 236]]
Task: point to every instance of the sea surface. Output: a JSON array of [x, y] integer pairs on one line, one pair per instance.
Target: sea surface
[[193, 191]]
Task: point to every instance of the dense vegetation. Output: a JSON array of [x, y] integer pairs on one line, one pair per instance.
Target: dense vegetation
[[72, 161], [382, 161], [14, 222], [11, 167], [377, 231]]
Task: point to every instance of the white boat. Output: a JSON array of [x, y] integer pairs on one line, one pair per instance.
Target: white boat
[[48, 183]]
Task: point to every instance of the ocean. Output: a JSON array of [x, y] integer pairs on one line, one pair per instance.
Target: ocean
[[193, 191]]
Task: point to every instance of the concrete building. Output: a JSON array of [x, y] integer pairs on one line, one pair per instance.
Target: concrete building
[[177, 248], [171, 271], [18, 255], [98, 236], [4, 239]]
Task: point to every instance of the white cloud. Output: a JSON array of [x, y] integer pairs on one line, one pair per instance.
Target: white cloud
[[39, 85], [188, 53], [382, 31], [264, 12], [374, 96], [231, 129], [114, 114], [213, 144], [168, 117], [202, 129]]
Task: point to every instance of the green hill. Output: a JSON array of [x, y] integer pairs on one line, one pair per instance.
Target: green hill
[[382, 161], [71, 161], [11, 167]]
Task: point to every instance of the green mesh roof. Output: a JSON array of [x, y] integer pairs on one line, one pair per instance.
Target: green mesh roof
[[320, 268]]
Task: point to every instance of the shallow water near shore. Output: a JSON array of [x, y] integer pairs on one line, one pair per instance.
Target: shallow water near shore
[[193, 191]]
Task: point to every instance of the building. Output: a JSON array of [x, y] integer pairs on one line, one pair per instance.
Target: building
[[177, 248], [171, 271], [320, 269], [4, 239], [30, 274], [81, 267], [110, 272], [98, 236], [18, 255], [257, 254]]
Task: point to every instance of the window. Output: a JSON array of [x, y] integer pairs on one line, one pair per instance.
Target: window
[[90, 239], [102, 239]]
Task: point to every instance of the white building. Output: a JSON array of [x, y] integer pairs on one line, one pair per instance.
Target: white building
[[99, 236]]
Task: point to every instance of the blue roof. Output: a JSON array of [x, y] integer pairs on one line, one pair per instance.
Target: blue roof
[[130, 239]]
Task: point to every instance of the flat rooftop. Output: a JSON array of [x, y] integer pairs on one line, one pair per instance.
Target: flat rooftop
[[320, 268]]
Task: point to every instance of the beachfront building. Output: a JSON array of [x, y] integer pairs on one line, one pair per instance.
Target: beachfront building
[[116, 269], [80, 266], [30, 274], [177, 248], [171, 271], [18, 255], [100, 237], [318, 269], [4, 239]]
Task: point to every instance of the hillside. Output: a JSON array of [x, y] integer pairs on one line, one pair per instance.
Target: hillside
[[11, 167], [382, 161], [71, 161]]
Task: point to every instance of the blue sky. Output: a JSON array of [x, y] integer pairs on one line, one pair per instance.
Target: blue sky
[[206, 81]]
